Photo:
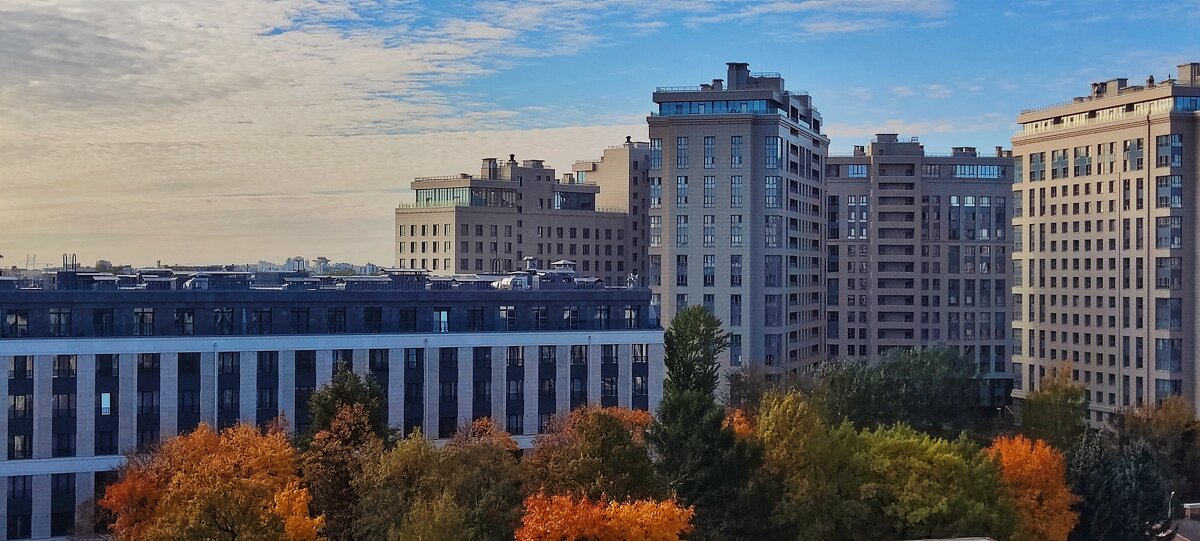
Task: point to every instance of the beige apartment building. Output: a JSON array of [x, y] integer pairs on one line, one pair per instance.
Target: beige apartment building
[[918, 254], [490, 223], [736, 190], [1104, 260]]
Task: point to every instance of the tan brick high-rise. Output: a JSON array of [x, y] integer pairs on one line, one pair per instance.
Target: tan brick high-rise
[[735, 213], [1105, 252], [918, 253]]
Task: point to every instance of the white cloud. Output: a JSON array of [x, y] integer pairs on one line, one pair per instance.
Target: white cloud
[[903, 91], [937, 91]]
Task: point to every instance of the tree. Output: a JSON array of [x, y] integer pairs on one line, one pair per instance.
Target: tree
[[347, 389], [563, 518], [691, 346], [747, 386], [1171, 429], [439, 519], [333, 459], [705, 463], [1035, 479], [391, 482], [1122, 488], [92, 522], [1054, 412], [238, 484], [934, 390], [481, 476], [595, 453]]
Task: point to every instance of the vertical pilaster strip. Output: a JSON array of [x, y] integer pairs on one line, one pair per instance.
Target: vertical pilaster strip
[[248, 387], [433, 364], [168, 396], [43, 414], [208, 387], [466, 385], [532, 363], [40, 493], [656, 373], [127, 402], [361, 366], [500, 387], [562, 380], [85, 406], [593, 374], [85, 488], [395, 383], [624, 375], [324, 367], [287, 387], [5, 365]]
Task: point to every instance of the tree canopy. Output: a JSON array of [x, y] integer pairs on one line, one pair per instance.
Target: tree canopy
[[1034, 475], [348, 389], [691, 345]]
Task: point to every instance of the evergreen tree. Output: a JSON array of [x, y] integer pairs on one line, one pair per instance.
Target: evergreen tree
[[691, 345]]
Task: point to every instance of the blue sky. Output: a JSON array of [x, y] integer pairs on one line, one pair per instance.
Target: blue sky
[[234, 130]]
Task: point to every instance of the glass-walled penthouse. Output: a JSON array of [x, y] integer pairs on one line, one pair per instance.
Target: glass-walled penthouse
[[466, 197], [720, 107]]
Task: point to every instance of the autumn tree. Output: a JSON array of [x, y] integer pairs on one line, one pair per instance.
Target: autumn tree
[[1122, 486], [1035, 479], [594, 452], [332, 460], [691, 345], [1054, 412], [564, 518], [706, 465], [481, 477], [238, 484], [934, 390], [347, 389]]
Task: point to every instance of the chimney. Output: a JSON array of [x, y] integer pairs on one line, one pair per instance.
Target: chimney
[[738, 75], [512, 160], [628, 140], [1150, 81], [1189, 74], [999, 151], [860, 150], [718, 84], [490, 170]]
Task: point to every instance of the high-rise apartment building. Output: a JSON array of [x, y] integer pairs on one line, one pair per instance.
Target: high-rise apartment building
[[735, 219], [489, 223], [918, 254], [1104, 222]]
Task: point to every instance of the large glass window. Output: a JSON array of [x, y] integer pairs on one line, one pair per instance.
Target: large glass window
[[710, 192], [1168, 354], [1168, 232], [773, 152], [681, 270], [735, 230], [710, 270], [655, 192], [1169, 192], [735, 152], [655, 154], [774, 192], [773, 231], [735, 270], [681, 152], [655, 231], [856, 170], [735, 191], [710, 231], [681, 230], [1168, 314], [710, 151]]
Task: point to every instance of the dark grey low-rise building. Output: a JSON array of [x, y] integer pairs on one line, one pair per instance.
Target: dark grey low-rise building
[[99, 365]]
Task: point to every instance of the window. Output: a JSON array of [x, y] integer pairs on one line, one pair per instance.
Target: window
[[774, 192], [773, 231], [1168, 314], [773, 152], [441, 319], [681, 264], [508, 316], [655, 231], [1168, 272], [681, 192], [735, 310], [1168, 354], [102, 322], [681, 152], [148, 402], [655, 163], [227, 362], [710, 270], [60, 322], [655, 192], [336, 319], [475, 318], [856, 170], [1170, 150], [147, 363], [735, 350], [570, 317], [735, 191], [735, 152], [735, 230], [710, 192], [260, 321], [300, 320], [735, 270], [268, 362], [64, 405], [104, 403], [681, 230], [373, 319], [579, 355], [710, 231], [710, 150], [600, 317], [143, 321], [414, 358], [20, 406], [185, 322], [516, 356], [931, 170], [1169, 193], [516, 389], [1168, 232], [223, 321]]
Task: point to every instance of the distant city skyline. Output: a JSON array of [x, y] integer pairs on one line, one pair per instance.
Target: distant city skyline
[[238, 131]]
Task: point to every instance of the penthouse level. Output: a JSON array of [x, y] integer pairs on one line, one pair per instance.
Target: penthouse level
[[101, 365]]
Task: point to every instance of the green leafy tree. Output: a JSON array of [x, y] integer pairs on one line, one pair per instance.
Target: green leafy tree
[[481, 475], [934, 390], [347, 389], [1054, 412], [333, 459], [1171, 429], [707, 465], [691, 346], [438, 519], [391, 482], [1123, 489], [595, 454]]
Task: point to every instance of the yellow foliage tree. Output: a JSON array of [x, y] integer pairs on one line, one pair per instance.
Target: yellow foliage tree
[[563, 518], [1034, 475], [239, 484]]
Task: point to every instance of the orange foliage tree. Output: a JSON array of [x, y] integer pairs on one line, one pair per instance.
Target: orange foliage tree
[[239, 484], [1034, 475], [737, 420], [563, 518]]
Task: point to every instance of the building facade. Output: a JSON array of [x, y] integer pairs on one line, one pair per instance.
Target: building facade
[[1105, 209], [491, 222], [101, 365], [918, 255], [735, 221]]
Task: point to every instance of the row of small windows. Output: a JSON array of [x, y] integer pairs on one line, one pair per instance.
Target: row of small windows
[[1078, 161], [962, 170], [63, 323], [1168, 195], [773, 149]]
